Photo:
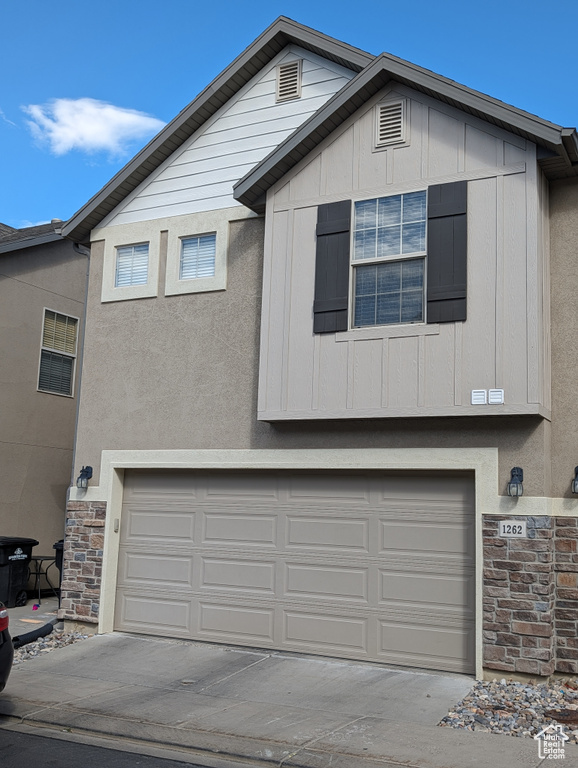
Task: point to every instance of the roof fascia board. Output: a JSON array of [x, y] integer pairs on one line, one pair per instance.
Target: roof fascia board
[[30, 242], [384, 69], [281, 33]]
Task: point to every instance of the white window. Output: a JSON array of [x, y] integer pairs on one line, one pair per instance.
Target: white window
[[132, 263], [58, 353], [198, 257], [388, 261], [289, 80]]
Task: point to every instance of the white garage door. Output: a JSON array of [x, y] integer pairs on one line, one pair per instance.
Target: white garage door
[[357, 565]]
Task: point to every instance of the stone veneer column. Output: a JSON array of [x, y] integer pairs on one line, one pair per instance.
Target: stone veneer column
[[82, 561], [519, 598], [566, 610]]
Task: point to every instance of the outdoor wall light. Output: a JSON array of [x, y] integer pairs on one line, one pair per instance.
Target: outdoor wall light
[[515, 487], [84, 477], [575, 481]]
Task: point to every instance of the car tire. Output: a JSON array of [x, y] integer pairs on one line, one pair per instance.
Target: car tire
[[21, 599]]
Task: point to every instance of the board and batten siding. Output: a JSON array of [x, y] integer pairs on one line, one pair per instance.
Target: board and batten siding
[[420, 369], [200, 176]]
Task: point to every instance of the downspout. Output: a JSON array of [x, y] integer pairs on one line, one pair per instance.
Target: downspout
[[83, 252]]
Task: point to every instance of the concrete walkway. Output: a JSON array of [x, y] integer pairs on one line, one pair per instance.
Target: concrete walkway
[[256, 707]]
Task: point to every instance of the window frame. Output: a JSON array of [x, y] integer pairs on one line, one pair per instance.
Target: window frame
[[191, 226], [125, 236], [53, 350], [397, 258]]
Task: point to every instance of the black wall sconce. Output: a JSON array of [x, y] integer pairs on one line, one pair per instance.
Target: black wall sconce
[[84, 477], [575, 481], [515, 486]]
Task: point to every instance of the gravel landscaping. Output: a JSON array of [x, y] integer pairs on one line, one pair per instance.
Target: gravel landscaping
[[46, 644], [518, 709]]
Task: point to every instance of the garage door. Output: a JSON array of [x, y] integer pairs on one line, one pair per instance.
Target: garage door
[[356, 565]]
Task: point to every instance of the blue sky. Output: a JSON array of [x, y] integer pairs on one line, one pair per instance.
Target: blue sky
[[86, 84]]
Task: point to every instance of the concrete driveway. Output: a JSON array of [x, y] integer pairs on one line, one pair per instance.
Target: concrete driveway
[[257, 706]]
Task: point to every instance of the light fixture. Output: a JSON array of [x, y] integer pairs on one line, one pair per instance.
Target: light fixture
[[84, 477], [575, 481], [515, 487]]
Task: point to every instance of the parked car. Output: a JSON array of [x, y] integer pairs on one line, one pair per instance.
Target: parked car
[[6, 648]]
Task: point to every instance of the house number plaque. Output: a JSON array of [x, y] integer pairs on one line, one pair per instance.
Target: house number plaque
[[512, 529]]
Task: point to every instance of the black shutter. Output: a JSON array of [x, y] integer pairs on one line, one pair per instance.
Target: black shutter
[[332, 267], [446, 252]]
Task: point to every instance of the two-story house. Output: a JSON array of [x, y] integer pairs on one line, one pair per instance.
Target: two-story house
[[329, 321], [42, 294]]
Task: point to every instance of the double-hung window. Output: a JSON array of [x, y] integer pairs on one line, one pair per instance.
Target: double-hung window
[[388, 260], [58, 353]]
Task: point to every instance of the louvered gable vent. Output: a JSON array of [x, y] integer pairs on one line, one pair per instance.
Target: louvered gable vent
[[390, 123], [289, 80]]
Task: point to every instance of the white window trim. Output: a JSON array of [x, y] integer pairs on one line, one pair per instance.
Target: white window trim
[[58, 352], [394, 143], [193, 225], [130, 234], [353, 263]]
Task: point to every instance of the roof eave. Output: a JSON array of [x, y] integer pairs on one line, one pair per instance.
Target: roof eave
[[30, 242], [250, 189], [281, 33]]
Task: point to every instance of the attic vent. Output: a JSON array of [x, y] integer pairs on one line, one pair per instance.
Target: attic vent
[[390, 123], [289, 80]]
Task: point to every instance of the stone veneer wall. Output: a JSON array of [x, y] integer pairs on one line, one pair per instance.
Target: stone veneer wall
[[566, 608], [519, 598], [82, 561]]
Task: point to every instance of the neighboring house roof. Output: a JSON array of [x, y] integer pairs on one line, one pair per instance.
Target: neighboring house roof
[[558, 159], [29, 236], [5, 230], [279, 35]]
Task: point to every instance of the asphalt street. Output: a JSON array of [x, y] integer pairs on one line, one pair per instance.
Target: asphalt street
[[23, 750]]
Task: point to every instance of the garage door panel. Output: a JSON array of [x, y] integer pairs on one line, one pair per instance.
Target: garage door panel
[[158, 525], [443, 539], [440, 591], [238, 575], [234, 486], [339, 564], [159, 615], [319, 582], [324, 633], [239, 529], [426, 645], [149, 569], [337, 534], [233, 622], [327, 490]]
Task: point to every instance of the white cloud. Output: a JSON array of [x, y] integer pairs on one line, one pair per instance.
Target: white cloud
[[5, 119], [89, 125]]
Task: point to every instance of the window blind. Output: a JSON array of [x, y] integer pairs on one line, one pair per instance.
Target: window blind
[[198, 257], [132, 262]]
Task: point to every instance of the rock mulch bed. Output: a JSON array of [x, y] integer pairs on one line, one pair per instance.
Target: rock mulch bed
[[518, 709], [46, 644]]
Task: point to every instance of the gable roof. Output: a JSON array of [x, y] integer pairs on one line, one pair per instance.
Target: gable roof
[[559, 157], [28, 237], [274, 39]]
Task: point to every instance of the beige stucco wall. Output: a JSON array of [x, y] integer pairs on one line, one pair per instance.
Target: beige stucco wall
[[36, 428], [564, 281], [180, 372]]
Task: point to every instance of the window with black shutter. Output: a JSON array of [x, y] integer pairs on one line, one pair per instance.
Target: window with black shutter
[[446, 252], [330, 308]]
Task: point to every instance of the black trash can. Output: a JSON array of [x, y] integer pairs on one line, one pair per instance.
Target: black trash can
[[59, 550], [15, 554]]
